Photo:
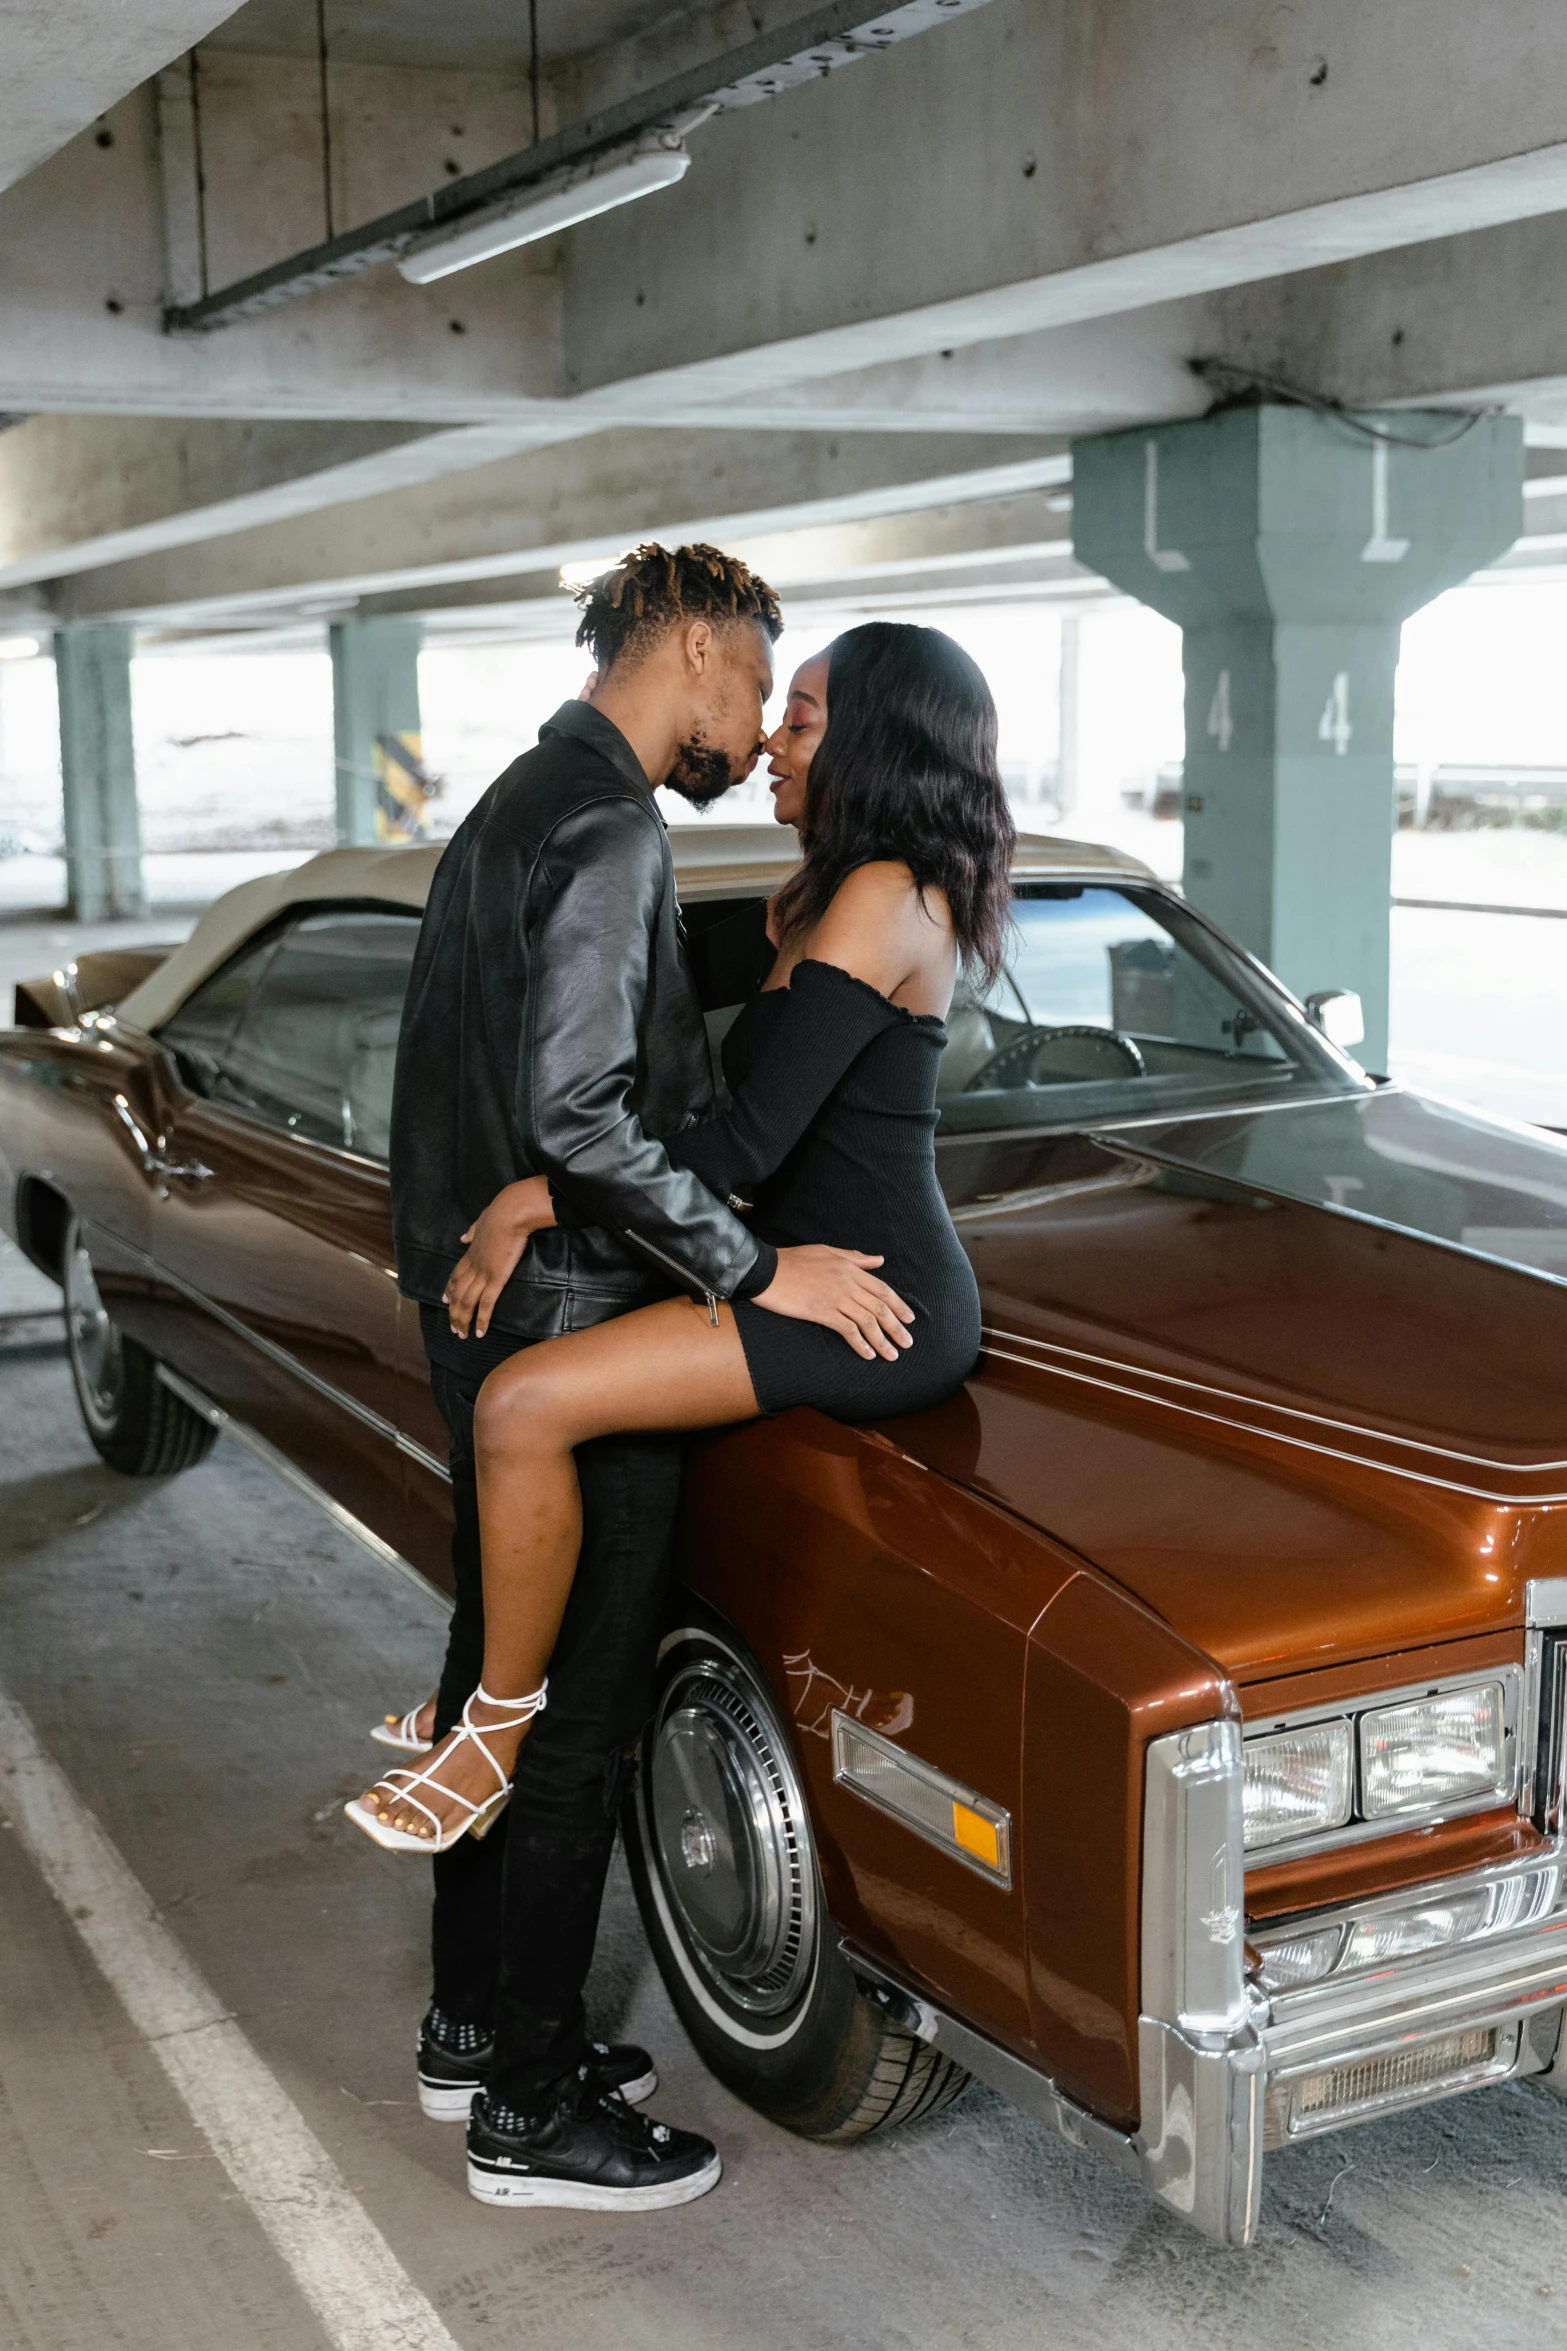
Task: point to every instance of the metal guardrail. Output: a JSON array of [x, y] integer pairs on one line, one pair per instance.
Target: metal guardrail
[[1474, 906]]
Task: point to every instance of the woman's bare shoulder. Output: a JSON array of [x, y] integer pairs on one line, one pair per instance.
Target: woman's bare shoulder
[[880, 926], [885, 886]]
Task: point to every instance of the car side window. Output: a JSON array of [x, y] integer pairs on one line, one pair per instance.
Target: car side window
[[314, 1044], [1117, 1001], [199, 1034]]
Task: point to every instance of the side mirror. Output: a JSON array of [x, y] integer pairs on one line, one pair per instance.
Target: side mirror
[[1337, 1013]]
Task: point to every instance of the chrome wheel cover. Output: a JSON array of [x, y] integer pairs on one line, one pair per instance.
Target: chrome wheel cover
[[96, 1350], [731, 1839]]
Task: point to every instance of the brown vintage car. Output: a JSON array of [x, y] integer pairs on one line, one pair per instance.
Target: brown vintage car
[[1168, 1730]]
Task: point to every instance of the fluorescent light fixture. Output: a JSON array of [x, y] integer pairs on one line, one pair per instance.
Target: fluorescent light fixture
[[18, 648], [618, 177], [581, 575]]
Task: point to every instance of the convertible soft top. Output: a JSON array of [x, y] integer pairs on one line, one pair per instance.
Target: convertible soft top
[[710, 860]]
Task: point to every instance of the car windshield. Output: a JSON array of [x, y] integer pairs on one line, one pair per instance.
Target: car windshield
[[1117, 1003]]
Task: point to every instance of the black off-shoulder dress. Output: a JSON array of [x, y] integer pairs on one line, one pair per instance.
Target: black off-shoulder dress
[[831, 1135]]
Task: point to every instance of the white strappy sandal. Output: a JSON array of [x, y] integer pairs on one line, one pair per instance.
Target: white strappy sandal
[[405, 1784], [399, 1732]]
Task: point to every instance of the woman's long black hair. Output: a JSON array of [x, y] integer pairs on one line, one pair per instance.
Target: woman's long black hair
[[907, 769]]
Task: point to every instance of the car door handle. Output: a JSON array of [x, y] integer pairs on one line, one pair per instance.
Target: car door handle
[[179, 1171]]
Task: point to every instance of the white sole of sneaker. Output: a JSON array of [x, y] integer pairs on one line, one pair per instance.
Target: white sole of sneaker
[[444, 2102], [441, 2102], [504, 2187]]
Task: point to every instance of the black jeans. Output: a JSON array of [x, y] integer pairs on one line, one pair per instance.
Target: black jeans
[[516, 1913]]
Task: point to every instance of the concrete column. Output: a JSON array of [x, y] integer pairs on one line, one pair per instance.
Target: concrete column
[[382, 786], [98, 767], [1290, 547]]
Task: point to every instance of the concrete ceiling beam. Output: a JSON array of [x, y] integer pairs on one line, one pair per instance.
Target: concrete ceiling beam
[[588, 498], [78, 493], [1051, 166], [85, 273], [543, 615], [1473, 320], [989, 536], [68, 61]]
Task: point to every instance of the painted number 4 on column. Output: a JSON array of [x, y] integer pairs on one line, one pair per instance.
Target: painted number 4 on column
[[1333, 726]]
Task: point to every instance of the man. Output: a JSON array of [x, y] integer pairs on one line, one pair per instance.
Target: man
[[551, 1027]]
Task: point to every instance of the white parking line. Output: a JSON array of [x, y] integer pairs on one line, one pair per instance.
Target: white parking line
[[341, 2262]]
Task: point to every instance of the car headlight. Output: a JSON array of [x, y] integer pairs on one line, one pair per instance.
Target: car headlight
[[1433, 1752], [1298, 1783]]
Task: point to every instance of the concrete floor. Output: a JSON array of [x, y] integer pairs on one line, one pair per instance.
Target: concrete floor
[[202, 1659]]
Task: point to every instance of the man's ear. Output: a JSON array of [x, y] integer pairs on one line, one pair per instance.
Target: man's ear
[[699, 645]]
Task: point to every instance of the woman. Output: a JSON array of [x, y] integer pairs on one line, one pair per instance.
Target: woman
[[886, 761]]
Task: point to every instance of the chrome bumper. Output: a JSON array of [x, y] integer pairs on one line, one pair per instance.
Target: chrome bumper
[[1508, 1969], [1223, 2062], [1230, 2068]]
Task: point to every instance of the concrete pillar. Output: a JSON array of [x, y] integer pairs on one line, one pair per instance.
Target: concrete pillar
[[382, 787], [1290, 547], [98, 768]]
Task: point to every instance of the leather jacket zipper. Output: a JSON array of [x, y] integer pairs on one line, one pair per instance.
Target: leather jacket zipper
[[650, 1249]]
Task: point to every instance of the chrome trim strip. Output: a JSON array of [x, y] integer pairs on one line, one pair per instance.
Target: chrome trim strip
[[416, 1452], [1322, 1420], [1013, 2077], [280, 1356], [1391, 1469], [1548, 1793], [1545, 1601], [294, 1476], [1105, 1130], [253, 1120], [1529, 1720], [1137, 1171], [144, 1151]]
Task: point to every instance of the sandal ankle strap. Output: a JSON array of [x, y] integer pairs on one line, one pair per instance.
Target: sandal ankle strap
[[521, 1709]]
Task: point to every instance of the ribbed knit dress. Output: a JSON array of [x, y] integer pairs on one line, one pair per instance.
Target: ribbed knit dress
[[831, 1135]]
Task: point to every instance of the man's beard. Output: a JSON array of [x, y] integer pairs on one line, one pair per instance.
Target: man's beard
[[700, 774]]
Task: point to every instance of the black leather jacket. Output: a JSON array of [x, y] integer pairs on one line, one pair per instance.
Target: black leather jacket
[[552, 1028]]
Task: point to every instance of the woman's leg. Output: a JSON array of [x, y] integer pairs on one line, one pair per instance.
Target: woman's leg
[[664, 1367]]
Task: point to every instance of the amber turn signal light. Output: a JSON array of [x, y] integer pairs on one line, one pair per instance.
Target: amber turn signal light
[[941, 1810]]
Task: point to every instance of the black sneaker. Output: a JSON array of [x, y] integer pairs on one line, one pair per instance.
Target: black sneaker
[[451, 2078], [587, 2149]]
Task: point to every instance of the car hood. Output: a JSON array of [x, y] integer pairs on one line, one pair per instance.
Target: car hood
[[1300, 1429]]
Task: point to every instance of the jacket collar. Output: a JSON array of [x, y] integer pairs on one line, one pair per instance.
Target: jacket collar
[[590, 726]]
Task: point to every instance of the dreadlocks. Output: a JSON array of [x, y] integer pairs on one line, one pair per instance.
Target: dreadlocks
[[656, 588]]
